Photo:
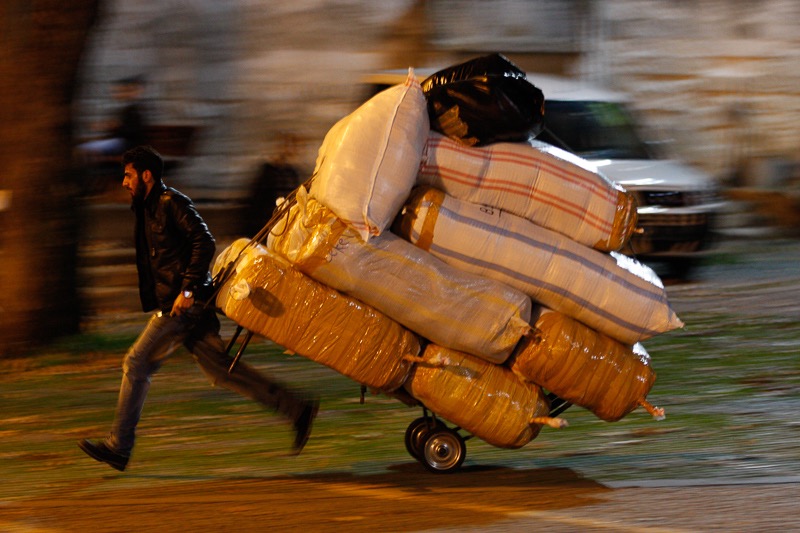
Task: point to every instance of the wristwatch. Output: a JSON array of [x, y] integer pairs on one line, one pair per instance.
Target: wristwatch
[[188, 294]]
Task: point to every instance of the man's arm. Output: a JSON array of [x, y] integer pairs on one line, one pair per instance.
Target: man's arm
[[201, 243]]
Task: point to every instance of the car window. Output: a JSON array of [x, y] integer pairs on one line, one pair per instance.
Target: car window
[[592, 130]]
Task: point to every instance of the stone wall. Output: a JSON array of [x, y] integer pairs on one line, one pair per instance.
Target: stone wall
[[716, 78]]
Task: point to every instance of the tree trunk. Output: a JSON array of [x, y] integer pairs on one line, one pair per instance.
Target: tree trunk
[[41, 46]]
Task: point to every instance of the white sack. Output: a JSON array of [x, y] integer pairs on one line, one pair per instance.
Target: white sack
[[368, 161]]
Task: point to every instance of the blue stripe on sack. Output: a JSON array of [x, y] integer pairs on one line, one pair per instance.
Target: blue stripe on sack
[[437, 249], [582, 260], [598, 311]]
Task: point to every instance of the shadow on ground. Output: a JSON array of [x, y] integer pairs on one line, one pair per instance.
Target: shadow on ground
[[402, 499]]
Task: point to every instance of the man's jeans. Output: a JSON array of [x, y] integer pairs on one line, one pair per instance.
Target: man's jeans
[[198, 330]]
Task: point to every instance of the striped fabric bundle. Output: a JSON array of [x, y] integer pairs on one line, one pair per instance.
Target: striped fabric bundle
[[611, 293], [541, 183], [487, 400], [450, 307], [269, 297], [584, 367]]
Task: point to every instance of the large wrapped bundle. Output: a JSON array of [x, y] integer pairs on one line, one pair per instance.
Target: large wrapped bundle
[[538, 182], [585, 367], [266, 295], [487, 400], [368, 160], [484, 100], [450, 307], [611, 293]]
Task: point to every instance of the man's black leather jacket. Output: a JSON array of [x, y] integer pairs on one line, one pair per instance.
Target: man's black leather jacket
[[174, 248]]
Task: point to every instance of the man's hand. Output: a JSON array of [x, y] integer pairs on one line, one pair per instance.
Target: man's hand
[[181, 304]]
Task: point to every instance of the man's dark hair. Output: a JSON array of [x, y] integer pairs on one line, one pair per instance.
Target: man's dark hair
[[145, 158]]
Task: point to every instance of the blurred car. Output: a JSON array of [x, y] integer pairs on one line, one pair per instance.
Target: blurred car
[[677, 203]]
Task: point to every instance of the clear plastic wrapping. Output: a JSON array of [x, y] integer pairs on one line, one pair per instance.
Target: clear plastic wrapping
[[487, 400], [584, 367], [446, 305], [268, 296]]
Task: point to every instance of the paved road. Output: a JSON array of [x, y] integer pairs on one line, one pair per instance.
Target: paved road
[[749, 276], [482, 499], [753, 283]]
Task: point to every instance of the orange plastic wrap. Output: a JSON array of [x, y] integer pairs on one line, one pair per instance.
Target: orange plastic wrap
[[585, 367], [442, 303], [485, 399], [269, 297]]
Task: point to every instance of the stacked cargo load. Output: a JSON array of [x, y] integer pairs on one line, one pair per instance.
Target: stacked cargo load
[[445, 305], [494, 252]]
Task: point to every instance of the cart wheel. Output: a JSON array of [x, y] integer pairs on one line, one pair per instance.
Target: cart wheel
[[417, 433], [444, 451]]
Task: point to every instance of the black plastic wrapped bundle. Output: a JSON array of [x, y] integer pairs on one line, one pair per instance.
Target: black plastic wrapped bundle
[[483, 101]]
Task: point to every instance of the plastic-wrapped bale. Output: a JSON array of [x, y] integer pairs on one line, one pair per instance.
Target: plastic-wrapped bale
[[368, 161], [539, 182], [487, 400], [452, 308], [585, 367], [609, 292], [268, 296]]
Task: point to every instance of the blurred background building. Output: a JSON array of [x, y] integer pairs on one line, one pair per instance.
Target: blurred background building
[[716, 79], [258, 83]]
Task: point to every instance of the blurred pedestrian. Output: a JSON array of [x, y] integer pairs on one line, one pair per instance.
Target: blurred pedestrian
[[174, 249], [275, 179], [126, 129]]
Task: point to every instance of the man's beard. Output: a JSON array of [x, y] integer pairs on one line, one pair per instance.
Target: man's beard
[[138, 193]]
